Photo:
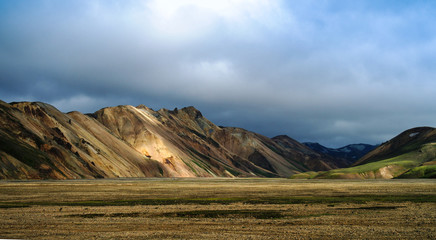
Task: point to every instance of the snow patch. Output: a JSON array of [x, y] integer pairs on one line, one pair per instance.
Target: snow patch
[[359, 147], [345, 150], [414, 134]]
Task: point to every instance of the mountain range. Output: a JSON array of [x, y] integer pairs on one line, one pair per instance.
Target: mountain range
[[37, 141], [347, 155]]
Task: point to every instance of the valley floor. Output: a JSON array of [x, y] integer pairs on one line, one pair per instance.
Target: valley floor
[[218, 209]]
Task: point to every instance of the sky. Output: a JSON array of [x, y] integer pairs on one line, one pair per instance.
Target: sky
[[328, 71]]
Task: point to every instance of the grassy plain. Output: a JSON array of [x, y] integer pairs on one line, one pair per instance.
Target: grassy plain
[[217, 208]]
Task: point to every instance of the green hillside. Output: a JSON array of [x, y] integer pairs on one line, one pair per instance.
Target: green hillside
[[425, 171], [418, 162]]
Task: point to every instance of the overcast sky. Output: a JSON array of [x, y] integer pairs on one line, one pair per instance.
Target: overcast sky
[[334, 72]]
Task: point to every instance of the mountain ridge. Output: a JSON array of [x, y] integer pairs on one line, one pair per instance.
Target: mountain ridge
[[348, 154], [40, 142], [37, 141]]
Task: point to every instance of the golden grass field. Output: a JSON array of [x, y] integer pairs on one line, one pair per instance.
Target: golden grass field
[[217, 208]]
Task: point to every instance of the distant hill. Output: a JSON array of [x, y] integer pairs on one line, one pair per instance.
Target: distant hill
[[37, 141], [408, 141], [411, 154], [310, 158], [348, 154]]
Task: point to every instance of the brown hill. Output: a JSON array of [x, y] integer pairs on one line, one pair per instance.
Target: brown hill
[[407, 141], [38, 142], [309, 158]]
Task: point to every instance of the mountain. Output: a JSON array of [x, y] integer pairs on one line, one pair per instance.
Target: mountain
[[411, 154], [345, 156], [408, 141], [37, 141], [309, 157]]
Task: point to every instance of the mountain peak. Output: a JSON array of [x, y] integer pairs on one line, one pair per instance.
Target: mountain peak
[[415, 132], [142, 106], [192, 112], [282, 137]]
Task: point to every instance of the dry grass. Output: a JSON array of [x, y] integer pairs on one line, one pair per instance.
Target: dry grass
[[218, 209]]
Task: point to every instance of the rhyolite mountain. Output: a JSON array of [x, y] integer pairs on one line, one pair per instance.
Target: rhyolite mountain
[[37, 141], [310, 158], [346, 155], [411, 154]]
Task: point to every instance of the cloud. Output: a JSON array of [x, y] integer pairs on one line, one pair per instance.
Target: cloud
[[327, 71]]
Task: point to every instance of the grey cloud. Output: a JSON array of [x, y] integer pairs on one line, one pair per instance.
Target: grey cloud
[[320, 71]]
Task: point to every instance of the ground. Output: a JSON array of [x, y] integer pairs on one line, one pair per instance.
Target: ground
[[217, 208]]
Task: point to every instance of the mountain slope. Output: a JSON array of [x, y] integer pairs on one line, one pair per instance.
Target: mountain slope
[[310, 158], [50, 144], [345, 156], [408, 141], [195, 139], [40, 142], [411, 154]]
